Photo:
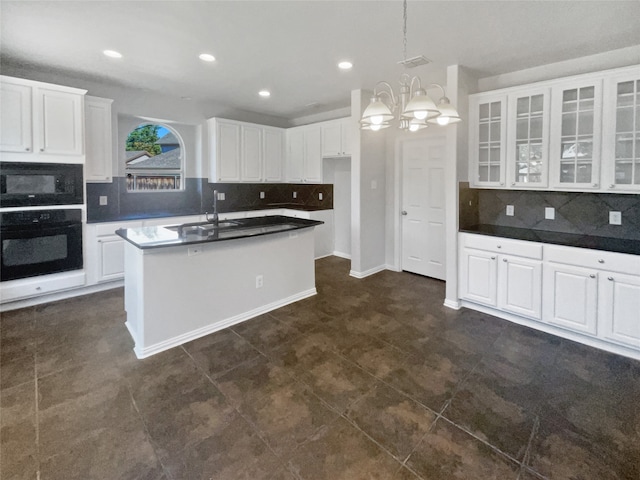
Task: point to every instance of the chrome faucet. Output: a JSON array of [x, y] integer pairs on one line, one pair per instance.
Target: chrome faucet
[[214, 218]]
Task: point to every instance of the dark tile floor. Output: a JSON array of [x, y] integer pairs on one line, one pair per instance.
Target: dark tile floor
[[370, 379]]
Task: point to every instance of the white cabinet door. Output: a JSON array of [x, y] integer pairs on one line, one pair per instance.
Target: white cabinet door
[[619, 304], [295, 154], [99, 160], [487, 140], [251, 149], [332, 139], [479, 276], [227, 160], [576, 127], [273, 153], [15, 117], [528, 138], [570, 297], [621, 132], [111, 255], [59, 122], [346, 136], [520, 286], [312, 155]]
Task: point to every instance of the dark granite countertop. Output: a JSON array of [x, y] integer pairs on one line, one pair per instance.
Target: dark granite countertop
[[558, 238], [194, 233]]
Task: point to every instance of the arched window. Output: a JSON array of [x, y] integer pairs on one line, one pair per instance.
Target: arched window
[[154, 156]]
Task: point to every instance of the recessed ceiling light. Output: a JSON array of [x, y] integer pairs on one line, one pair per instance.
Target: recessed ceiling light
[[345, 65], [112, 54], [264, 93], [207, 57]]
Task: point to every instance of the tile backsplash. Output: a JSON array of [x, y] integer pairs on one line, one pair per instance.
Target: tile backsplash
[[197, 197], [575, 212]]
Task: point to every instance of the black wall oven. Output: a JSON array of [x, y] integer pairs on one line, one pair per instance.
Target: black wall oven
[[25, 184], [39, 242]]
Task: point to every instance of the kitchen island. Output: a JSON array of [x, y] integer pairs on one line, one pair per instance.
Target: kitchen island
[[185, 281]]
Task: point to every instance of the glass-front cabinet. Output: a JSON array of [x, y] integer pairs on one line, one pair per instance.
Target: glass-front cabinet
[[621, 130], [528, 138], [575, 134], [489, 114]]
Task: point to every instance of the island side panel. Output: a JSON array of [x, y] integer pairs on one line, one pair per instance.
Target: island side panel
[[133, 289], [190, 291]]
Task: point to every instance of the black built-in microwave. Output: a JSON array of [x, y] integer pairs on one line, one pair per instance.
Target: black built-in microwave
[[24, 184]]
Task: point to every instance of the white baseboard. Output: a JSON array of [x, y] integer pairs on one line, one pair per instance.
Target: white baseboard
[[393, 268], [323, 256], [454, 304], [366, 273], [342, 254], [201, 332]]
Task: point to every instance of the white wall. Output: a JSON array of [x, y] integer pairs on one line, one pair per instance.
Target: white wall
[[338, 172]]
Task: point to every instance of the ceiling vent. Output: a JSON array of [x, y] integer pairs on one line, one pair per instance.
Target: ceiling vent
[[414, 61]]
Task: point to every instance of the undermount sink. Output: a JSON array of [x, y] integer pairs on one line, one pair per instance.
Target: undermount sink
[[202, 228]]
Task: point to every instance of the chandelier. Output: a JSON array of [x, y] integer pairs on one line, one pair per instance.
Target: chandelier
[[412, 106]]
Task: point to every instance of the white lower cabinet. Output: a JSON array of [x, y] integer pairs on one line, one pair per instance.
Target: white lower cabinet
[[582, 294], [111, 258], [570, 296], [502, 273], [619, 308]]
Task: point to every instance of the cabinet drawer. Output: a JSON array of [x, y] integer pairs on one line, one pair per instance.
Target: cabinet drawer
[[582, 257], [505, 246]]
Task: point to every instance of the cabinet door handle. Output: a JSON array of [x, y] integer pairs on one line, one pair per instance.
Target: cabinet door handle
[[404, 212], [612, 186], [501, 183], [38, 288], [592, 276], [493, 258], [610, 279], [42, 149], [499, 246], [27, 149], [595, 184], [504, 260], [513, 184], [600, 260]]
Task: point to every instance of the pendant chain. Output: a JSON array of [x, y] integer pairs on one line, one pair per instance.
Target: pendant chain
[[404, 30]]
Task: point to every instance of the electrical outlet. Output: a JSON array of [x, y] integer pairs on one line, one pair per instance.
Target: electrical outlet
[[259, 281], [261, 194], [615, 218], [320, 196], [103, 199], [510, 210], [295, 194], [550, 213], [221, 196]]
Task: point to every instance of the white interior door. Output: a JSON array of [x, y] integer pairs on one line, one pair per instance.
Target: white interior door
[[423, 206]]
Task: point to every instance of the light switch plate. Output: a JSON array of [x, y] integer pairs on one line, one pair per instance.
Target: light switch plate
[[103, 200], [510, 210], [550, 213], [220, 195], [615, 218]]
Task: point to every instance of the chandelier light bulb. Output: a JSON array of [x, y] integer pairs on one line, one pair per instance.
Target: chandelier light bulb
[[375, 127], [442, 120], [377, 120], [420, 114], [414, 127]]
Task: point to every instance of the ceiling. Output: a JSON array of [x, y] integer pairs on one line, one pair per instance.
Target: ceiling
[[292, 47]]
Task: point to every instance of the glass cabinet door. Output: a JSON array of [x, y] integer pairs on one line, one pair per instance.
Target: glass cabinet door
[[527, 154], [621, 130], [488, 132], [575, 135]]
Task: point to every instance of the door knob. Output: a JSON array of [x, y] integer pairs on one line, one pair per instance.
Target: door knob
[[404, 212]]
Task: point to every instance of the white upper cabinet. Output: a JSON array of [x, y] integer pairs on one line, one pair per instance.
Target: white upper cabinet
[[528, 138], [41, 122], [621, 132], [244, 152], [16, 130], [487, 140], [304, 154], [98, 140], [576, 133], [336, 138], [575, 140]]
